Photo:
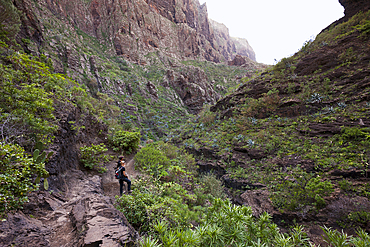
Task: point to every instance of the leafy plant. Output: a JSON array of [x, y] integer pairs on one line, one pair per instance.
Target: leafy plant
[[210, 188], [93, 156], [40, 159], [315, 98], [302, 190], [125, 141], [152, 161], [152, 202], [9, 20], [356, 134], [17, 170], [359, 217], [149, 242], [335, 238]]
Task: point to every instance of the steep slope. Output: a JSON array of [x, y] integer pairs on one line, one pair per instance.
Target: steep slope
[[130, 50], [295, 141], [132, 29]]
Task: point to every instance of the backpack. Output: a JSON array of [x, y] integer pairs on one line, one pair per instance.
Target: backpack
[[117, 173]]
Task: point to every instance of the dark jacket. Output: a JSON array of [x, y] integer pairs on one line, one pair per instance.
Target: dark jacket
[[121, 169], [121, 172]]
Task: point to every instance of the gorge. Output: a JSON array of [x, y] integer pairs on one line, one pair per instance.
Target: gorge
[[213, 139]]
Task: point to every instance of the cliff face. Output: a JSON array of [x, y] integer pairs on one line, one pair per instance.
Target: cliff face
[[133, 28], [354, 6], [98, 43], [243, 48], [230, 46], [351, 7]]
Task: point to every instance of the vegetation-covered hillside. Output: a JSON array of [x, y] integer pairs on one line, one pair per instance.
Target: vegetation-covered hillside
[[295, 140]]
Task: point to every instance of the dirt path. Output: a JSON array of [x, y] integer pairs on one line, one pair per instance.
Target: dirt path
[[110, 183]]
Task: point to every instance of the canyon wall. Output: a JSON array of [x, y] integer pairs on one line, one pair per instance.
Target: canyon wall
[[133, 28], [230, 46]]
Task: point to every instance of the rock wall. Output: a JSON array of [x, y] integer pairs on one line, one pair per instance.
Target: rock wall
[[230, 46], [193, 88], [82, 216], [243, 48], [351, 7], [132, 28]]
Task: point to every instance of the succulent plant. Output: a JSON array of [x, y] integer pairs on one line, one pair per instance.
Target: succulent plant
[[39, 159]]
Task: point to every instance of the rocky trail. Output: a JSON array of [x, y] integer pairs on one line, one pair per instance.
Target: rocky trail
[[82, 216], [110, 184]]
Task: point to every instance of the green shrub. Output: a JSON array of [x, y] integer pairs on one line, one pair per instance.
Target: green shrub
[[335, 238], [226, 224], [161, 159], [150, 203], [345, 185], [354, 134], [93, 156], [359, 217], [153, 161], [207, 117], [125, 141], [148, 241], [16, 172], [364, 28], [9, 20], [210, 188], [135, 209], [26, 104], [293, 194]]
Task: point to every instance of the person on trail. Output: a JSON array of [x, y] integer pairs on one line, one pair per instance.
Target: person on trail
[[123, 176]]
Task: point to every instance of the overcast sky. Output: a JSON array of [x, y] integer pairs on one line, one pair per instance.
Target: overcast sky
[[275, 29]]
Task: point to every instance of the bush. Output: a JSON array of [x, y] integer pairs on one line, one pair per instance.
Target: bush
[[24, 103], [150, 204], [9, 20], [264, 105], [210, 188], [161, 159], [293, 194], [125, 141], [229, 225], [16, 175], [93, 156], [135, 209], [354, 134], [153, 161], [207, 117]]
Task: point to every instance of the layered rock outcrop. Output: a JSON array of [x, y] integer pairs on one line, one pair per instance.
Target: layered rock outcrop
[[133, 28], [193, 88], [243, 62], [81, 217], [351, 7], [230, 46]]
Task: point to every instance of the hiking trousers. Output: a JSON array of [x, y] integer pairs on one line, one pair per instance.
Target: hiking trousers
[[121, 185]]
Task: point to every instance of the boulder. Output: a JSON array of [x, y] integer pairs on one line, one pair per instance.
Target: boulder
[[259, 201]]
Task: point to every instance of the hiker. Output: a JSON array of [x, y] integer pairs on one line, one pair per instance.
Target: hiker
[[123, 176]]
